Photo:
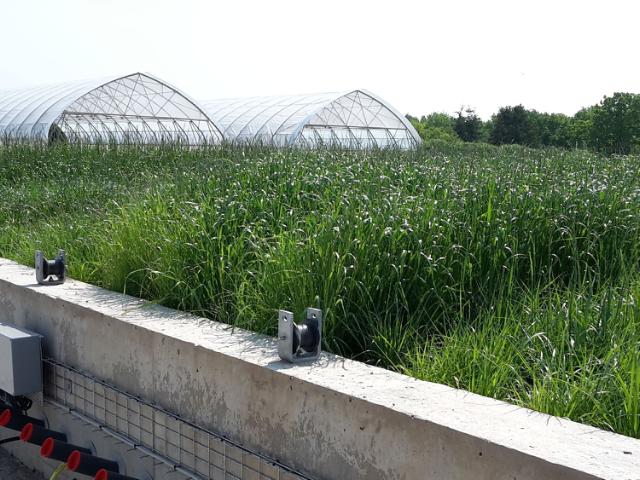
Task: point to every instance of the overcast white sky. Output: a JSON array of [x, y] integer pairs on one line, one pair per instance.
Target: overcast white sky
[[421, 56]]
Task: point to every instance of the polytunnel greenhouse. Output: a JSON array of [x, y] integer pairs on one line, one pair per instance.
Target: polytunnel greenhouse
[[351, 119], [136, 108]]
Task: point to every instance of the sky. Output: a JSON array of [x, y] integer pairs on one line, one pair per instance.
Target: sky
[[421, 56]]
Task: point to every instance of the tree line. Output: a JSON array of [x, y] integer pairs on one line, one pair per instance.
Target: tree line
[[611, 126]]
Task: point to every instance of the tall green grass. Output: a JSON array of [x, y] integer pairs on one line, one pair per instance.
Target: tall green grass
[[506, 271]]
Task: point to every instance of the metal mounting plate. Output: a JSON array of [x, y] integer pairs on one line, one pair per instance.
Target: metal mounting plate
[[286, 332], [285, 335]]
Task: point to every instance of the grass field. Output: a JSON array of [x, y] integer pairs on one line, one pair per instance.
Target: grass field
[[509, 272]]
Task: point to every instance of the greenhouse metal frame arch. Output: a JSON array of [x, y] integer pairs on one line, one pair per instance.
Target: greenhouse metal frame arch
[[354, 119], [138, 108]]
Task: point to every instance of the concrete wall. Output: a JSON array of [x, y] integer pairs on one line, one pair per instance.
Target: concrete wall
[[333, 419]]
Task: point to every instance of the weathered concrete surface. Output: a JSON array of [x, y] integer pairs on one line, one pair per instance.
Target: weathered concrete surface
[[12, 469], [334, 419]]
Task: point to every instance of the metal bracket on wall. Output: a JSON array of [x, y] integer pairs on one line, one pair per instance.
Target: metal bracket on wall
[[298, 343], [50, 272]]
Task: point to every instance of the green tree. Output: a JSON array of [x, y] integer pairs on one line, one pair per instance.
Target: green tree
[[551, 129], [616, 123], [581, 128], [485, 131], [436, 126], [513, 125], [468, 125]]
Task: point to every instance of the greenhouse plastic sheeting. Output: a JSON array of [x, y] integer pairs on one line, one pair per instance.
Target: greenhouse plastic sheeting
[[136, 108], [352, 119]]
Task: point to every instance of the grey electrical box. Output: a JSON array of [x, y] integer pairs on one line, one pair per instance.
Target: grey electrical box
[[20, 361]]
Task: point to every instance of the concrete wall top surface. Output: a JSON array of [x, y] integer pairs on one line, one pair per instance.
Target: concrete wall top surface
[[334, 418]]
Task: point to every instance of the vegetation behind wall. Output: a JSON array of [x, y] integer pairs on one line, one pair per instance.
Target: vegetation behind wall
[[507, 271]]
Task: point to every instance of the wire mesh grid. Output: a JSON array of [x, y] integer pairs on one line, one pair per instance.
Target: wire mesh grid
[[187, 447]]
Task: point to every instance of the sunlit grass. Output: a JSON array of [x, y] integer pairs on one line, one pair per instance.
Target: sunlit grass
[[509, 272]]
